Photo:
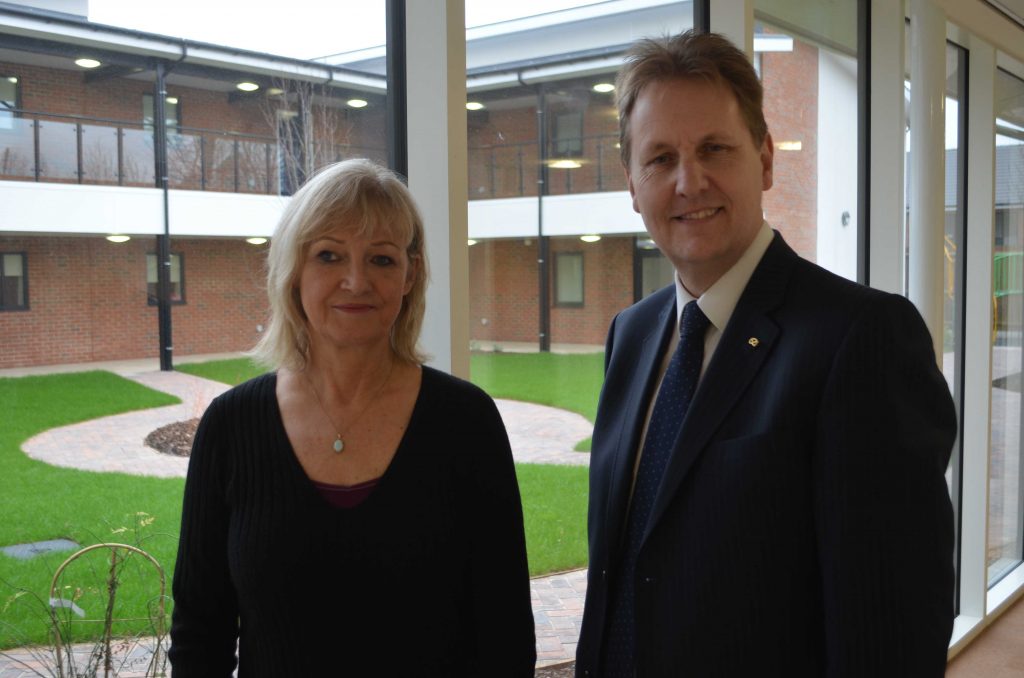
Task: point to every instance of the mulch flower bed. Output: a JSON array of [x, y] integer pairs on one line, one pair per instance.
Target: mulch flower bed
[[174, 438]]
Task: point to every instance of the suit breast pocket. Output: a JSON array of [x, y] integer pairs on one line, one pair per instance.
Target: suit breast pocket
[[762, 478]]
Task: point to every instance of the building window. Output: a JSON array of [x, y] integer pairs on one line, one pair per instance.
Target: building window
[[568, 135], [569, 279], [171, 110], [8, 100], [13, 282], [177, 279]]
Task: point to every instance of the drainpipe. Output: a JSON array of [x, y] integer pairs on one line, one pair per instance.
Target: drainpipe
[[543, 245], [163, 242]]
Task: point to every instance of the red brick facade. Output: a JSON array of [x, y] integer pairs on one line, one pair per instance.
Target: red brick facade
[[88, 301], [504, 282], [88, 297]]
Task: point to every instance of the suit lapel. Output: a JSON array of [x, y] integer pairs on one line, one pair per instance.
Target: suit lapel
[[736, 361], [633, 416]]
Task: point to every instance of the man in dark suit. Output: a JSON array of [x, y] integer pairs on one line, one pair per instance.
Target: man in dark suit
[[789, 515]]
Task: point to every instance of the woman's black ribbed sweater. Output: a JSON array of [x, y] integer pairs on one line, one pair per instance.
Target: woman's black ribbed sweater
[[427, 577]]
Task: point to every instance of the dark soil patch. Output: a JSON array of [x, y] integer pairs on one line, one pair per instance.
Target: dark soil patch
[[175, 439]]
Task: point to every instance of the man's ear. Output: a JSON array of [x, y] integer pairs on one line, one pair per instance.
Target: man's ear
[[767, 160], [632, 191]]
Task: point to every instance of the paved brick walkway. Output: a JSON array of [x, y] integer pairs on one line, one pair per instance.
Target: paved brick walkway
[[537, 434]]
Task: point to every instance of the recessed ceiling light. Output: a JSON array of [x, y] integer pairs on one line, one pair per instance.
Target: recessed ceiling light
[[474, 106], [256, 241], [789, 145], [357, 103], [604, 87], [590, 238], [87, 63], [471, 242], [13, 80], [118, 238], [565, 164], [247, 86], [171, 100], [275, 91]]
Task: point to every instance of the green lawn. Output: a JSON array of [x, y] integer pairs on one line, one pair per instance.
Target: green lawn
[[40, 502]]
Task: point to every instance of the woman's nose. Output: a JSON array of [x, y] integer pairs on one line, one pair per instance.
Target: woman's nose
[[354, 278]]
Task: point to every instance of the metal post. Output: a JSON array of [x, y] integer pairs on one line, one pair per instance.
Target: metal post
[[397, 112], [543, 246], [37, 170], [120, 156], [78, 151], [163, 242]]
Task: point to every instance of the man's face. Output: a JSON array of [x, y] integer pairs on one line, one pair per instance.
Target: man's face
[[696, 177]]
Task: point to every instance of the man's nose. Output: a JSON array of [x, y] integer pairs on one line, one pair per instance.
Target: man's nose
[[690, 177]]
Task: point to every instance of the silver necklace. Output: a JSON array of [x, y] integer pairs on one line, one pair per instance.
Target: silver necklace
[[339, 443]]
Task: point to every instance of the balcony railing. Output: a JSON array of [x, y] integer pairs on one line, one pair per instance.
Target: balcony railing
[[52, 148], [77, 149], [511, 170]]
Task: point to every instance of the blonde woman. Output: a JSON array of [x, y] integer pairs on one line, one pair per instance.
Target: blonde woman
[[353, 512]]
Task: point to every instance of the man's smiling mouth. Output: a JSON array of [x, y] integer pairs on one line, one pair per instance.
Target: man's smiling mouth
[[698, 214]]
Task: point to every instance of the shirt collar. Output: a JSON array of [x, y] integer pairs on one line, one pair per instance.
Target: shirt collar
[[719, 300]]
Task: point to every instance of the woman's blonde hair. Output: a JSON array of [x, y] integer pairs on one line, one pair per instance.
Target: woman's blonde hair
[[357, 194]]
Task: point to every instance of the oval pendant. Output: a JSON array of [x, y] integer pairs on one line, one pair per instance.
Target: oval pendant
[[339, 445]]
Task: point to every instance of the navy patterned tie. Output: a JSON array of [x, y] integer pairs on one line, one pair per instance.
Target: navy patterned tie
[[674, 395]]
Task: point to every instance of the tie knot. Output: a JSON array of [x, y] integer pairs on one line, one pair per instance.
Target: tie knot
[[693, 323]]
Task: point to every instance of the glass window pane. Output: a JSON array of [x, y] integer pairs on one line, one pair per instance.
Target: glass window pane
[[809, 72], [1006, 502], [12, 281], [569, 278]]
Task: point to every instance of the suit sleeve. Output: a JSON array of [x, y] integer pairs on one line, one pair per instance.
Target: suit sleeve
[[883, 515], [499, 574], [204, 626]]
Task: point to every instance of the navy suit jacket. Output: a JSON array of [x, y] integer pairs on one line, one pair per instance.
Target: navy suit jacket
[[803, 526]]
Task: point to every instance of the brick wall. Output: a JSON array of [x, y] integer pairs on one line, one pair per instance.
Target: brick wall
[[791, 110], [503, 283], [87, 300]]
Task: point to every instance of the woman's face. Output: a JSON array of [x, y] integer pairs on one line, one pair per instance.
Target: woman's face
[[351, 287]]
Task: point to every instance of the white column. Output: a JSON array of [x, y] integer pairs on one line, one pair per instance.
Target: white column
[[886, 143], [436, 63], [977, 340], [927, 162], [735, 20]]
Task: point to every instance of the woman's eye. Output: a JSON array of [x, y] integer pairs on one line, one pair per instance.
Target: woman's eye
[[382, 260], [326, 256]]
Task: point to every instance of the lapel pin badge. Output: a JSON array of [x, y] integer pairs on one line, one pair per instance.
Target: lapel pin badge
[[753, 341]]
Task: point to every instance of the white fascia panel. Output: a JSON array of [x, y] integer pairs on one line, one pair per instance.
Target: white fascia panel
[[198, 213], [63, 209], [564, 215], [60, 208]]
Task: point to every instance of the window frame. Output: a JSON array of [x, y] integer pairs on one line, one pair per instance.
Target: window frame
[[147, 122], [4, 307], [558, 302], [151, 299]]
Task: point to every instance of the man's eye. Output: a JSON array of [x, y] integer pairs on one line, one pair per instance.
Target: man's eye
[[659, 159]]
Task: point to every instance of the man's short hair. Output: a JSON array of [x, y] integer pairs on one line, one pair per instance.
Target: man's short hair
[[690, 55]]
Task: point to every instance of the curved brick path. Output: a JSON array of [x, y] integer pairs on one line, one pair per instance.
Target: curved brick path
[[538, 434]]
